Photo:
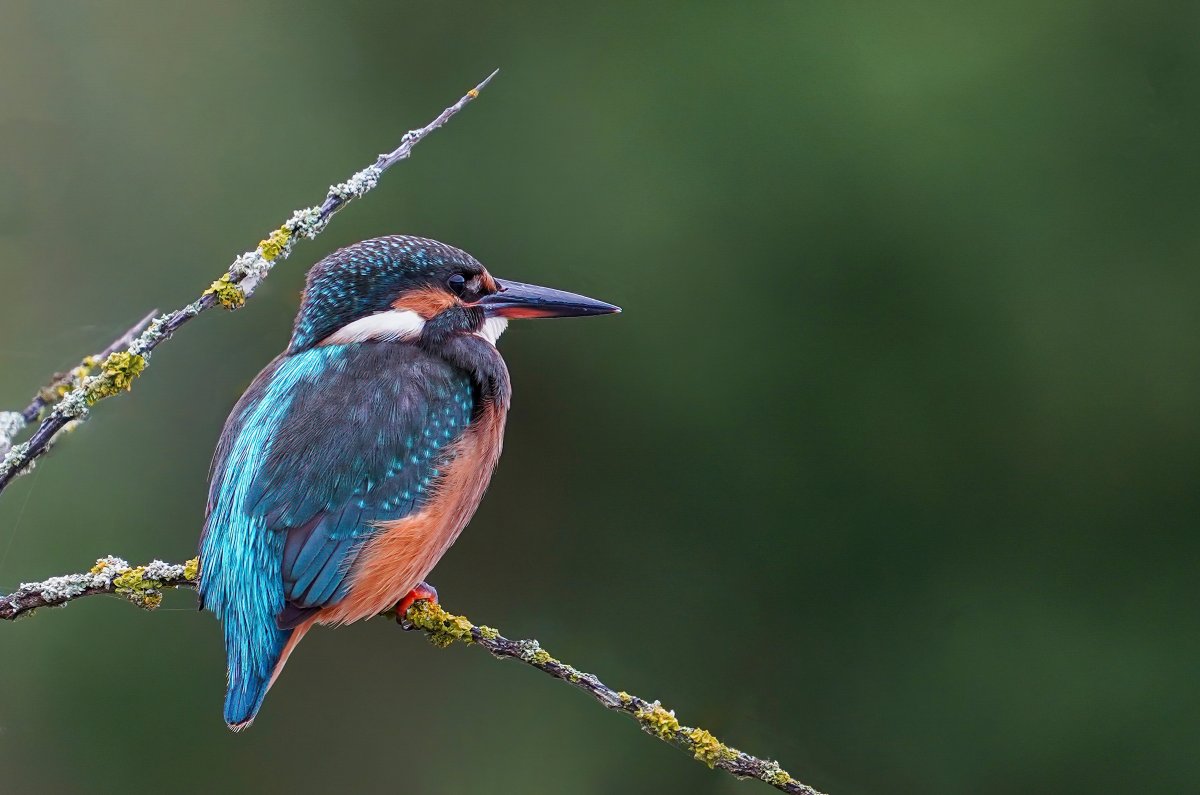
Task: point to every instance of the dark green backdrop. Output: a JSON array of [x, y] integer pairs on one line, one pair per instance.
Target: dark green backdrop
[[887, 471]]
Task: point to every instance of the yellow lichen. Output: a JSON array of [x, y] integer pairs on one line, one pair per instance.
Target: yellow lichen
[[774, 774], [541, 657], [488, 633], [116, 374], [658, 721], [228, 294], [139, 589], [708, 749], [473, 93], [441, 627], [122, 367], [625, 697], [191, 569], [147, 599], [130, 579], [275, 243]]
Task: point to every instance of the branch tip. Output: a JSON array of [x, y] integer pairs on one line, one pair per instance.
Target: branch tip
[[483, 84]]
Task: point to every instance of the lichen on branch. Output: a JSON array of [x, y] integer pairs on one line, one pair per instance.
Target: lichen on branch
[[143, 586], [72, 395], [443, 629], [59, 386], [116, 375]]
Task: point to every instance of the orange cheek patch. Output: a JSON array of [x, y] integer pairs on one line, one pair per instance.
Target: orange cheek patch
[[425, 301]]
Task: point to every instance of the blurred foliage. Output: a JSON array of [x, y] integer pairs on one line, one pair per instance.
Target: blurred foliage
[[905, 387]]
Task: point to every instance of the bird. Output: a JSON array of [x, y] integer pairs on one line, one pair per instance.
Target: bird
[[355, 458]]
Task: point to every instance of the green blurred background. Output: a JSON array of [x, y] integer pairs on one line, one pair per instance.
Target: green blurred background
[[887, 471]]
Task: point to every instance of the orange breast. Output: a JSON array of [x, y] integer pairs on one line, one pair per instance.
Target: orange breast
[[406, 550]]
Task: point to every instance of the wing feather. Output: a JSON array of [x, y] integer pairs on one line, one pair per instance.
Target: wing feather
[[359, 444]]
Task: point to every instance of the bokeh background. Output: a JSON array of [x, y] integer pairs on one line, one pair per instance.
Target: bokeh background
[[887, 471]]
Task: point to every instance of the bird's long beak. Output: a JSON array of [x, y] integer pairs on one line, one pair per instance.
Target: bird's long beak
[[515, 299]]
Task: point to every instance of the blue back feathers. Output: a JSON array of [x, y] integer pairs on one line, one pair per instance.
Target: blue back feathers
[[324, 444]]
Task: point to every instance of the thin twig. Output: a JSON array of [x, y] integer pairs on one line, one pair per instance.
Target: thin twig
[[64, 382], [13, 422], [120, 367], [143, 585]]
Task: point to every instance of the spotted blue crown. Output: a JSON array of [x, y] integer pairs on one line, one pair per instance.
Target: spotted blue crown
[[365, 278]]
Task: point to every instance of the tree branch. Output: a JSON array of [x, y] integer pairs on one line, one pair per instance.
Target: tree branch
[[13, 422], [127, 358], [143, 586]]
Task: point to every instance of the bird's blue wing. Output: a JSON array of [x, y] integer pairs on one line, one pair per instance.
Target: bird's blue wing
[[359, 443]]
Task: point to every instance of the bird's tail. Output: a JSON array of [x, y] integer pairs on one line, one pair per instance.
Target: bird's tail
[[251, 675]]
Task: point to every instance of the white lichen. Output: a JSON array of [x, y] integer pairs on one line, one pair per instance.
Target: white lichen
[[74, 404], [68, 586], [108, 568], [56, 589], [251, 265], [150, 337], [772, 773], [530, 650], [359, 184], [306, 223], [249, 269], [158, 570], [11, 423], [13, 458]]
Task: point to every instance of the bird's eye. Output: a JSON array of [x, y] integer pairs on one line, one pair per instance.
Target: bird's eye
[[457, 283]]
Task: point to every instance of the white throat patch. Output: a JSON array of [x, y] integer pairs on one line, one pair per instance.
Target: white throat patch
[[390, 326], [493, 327], [400, 325]]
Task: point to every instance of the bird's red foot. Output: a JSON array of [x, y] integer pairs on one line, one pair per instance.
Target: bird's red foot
[[423, 591]]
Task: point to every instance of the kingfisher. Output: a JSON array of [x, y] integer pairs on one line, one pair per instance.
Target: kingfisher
[[357, 456]]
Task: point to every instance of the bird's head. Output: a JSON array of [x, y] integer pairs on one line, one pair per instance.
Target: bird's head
[[398, 288]]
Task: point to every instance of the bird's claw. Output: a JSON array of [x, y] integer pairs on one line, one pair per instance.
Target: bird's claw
[[424, 591]]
